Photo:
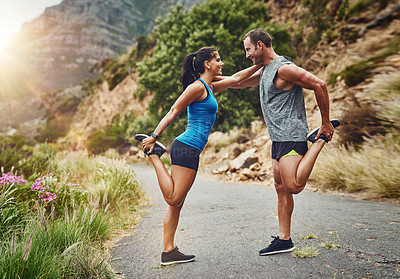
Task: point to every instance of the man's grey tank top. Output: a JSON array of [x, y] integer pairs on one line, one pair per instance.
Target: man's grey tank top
[[284, 110]]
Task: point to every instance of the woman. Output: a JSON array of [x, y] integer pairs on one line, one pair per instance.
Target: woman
[[199, 71]]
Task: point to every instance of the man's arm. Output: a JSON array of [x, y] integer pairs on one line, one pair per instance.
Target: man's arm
[[299, 76]]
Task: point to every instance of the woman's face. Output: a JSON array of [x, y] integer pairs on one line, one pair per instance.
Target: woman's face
[[216, 64]]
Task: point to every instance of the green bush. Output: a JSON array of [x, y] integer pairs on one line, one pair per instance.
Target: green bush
[[101, 141], [357, 73], [54, 128], [68, 105], [215, 23], [115, 78], [363, 5], [12, 152]]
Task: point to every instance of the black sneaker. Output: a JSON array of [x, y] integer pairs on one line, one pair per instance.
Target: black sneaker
[[278, 246], [159, 148], [311, 135], [174, 257]]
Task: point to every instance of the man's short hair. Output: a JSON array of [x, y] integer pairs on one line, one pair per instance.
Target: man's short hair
[[258, 34]]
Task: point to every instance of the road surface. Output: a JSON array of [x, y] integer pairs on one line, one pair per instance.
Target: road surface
[[225, 225]]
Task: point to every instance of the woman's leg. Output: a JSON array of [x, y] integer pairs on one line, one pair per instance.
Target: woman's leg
[[174, 188]]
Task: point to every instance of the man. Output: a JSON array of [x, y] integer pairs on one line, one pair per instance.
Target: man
[[282, 101]]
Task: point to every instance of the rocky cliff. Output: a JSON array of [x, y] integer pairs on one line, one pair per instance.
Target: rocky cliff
[[58, 49], [66, 40]]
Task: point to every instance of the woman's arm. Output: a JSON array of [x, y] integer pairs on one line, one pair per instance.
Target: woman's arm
[[235, 80], [190, 95]]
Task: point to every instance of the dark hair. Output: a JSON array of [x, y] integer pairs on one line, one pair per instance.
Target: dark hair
[[258, 34], [193, 65]]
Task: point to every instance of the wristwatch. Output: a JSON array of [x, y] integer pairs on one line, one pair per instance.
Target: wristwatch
[[154, 135]]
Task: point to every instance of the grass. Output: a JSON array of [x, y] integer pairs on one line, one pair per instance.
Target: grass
[[371, 167], [306, 252], [95, 197], [310, 236], [331, 245]]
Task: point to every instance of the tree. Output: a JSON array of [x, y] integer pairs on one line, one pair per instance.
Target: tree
[[221, 24]]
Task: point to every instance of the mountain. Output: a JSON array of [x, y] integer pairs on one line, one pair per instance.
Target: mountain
[[58, 48]]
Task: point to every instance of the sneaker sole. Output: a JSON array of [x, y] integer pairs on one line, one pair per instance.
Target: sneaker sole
[[277, 252], [146, 136], [176, 262], [335, 123]]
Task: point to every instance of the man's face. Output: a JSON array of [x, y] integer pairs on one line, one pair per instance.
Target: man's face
[[253, 52]]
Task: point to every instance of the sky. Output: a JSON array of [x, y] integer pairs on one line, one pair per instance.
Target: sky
[[13, 13]]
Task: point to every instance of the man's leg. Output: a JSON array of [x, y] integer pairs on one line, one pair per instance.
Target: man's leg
[[285, 204], [283, 243], [296, 169]]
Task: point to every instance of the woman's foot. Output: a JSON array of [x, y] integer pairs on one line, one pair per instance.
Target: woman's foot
[[175, 257], [159, 148]]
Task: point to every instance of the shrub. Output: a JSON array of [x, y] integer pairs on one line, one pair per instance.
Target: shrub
[[101, 141], [357, 73], [358, 123], [54, 128], [12, 152], [363, 5]]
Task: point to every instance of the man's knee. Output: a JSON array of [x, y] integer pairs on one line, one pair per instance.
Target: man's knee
[[294, 189], [288, 189], [175, 201]]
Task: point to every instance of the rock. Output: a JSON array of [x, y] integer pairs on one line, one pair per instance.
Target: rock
[[255, 167], [244, 160], [236, 152], [242, 139], [249, 173], [260, 141], [133, 151], [220, 170]]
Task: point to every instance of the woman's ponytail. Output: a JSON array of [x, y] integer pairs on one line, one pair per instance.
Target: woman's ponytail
[[189, 74], [193, 65]]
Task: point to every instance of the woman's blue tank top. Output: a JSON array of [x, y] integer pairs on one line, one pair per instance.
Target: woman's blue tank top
[[201, 118]]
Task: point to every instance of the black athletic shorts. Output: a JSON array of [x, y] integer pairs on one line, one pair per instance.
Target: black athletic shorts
[[280, 149], [184, 155]]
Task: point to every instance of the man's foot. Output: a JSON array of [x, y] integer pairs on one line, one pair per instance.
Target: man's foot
[[278, 246], [159, 148], [311, 135], [174, 257]]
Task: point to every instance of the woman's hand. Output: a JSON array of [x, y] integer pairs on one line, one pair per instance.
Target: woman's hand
[[148, 144]]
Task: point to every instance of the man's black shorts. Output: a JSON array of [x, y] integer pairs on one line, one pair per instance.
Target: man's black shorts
[[281, 149]]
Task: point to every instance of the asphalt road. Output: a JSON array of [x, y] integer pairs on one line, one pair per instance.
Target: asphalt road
[[225, 225]]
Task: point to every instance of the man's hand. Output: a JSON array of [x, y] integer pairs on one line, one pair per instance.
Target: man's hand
[[326, 129]]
